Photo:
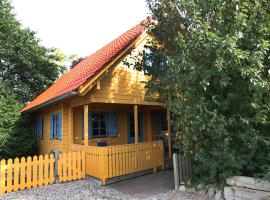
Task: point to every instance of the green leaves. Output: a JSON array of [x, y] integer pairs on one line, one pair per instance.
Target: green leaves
[[26, 66], [26, 69], [16, 137], [213, 71]]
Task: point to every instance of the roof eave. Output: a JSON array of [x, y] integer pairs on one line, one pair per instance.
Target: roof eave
[[55, 100]]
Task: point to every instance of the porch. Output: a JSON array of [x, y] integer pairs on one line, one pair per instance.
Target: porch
[[120, 139], [119, 160]]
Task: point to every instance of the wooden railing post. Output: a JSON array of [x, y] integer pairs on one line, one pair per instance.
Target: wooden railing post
[[83, 167], [85, 110], [156, 156], [105, 165], [56, 158], [162, 155]]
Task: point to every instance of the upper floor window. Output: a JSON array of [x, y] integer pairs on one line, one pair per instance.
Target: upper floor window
[[56, 126]]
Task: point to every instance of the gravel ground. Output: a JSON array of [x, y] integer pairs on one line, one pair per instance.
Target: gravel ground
[[90, 189]]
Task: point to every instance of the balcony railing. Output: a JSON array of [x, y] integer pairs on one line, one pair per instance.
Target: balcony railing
[[113, 161]]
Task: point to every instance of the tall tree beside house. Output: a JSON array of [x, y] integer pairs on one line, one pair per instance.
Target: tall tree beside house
[[26, 66], [210, 64], [26, 69]]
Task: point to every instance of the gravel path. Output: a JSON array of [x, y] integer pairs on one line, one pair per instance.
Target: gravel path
[[90, 189]]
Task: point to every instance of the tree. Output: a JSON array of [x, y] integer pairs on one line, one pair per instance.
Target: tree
[[75, 60], [26, 69], [8, 118], [209, 62], [16, 137]]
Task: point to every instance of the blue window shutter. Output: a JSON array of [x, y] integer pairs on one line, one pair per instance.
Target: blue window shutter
[[41, 121], [158, 122], [82, 125], [56, 126], [90, 132], [38, 127], [51, 127], [111, 124], [35, 128], [60, 126]]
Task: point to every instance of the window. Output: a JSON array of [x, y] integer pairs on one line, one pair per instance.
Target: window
[[132, 126], [161, 122], [164, 124], [101, 124], [56, 126], [38, 128]]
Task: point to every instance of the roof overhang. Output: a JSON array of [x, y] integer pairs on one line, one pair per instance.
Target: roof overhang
[[55, 100]]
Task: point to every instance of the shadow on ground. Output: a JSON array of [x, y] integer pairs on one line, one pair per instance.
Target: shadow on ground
[[148, 185]]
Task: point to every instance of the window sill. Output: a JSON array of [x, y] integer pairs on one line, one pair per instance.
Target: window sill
[[55, 140], [105, 137]]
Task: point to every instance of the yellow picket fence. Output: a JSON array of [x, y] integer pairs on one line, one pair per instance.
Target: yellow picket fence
[[71, 166], [19, 174], [113, 161]]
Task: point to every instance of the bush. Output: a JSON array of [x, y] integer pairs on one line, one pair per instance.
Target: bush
[[16, 138]]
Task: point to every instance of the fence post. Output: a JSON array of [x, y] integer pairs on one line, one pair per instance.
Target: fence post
[[104, 160], [83, 164], [2, 176], [176, 172], [162, 155], [56, 158]]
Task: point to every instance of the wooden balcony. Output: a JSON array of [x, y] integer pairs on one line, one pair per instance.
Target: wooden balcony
[[114, 161]]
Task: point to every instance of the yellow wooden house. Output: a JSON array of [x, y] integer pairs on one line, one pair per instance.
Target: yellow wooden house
[[100, 106]]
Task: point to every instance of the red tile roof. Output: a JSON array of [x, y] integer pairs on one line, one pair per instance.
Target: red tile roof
[[78, 75]]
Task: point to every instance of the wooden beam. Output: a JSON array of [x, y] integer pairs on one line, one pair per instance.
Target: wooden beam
[[70, 127], [85, 110], [169, 131], [82, 101], [149, 126], [136, 124], [102, 100], [98, 85]]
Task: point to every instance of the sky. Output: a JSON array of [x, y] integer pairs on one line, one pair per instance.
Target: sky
[[79, 26]]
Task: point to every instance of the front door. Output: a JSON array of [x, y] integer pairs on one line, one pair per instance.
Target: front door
[[131, 128]]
